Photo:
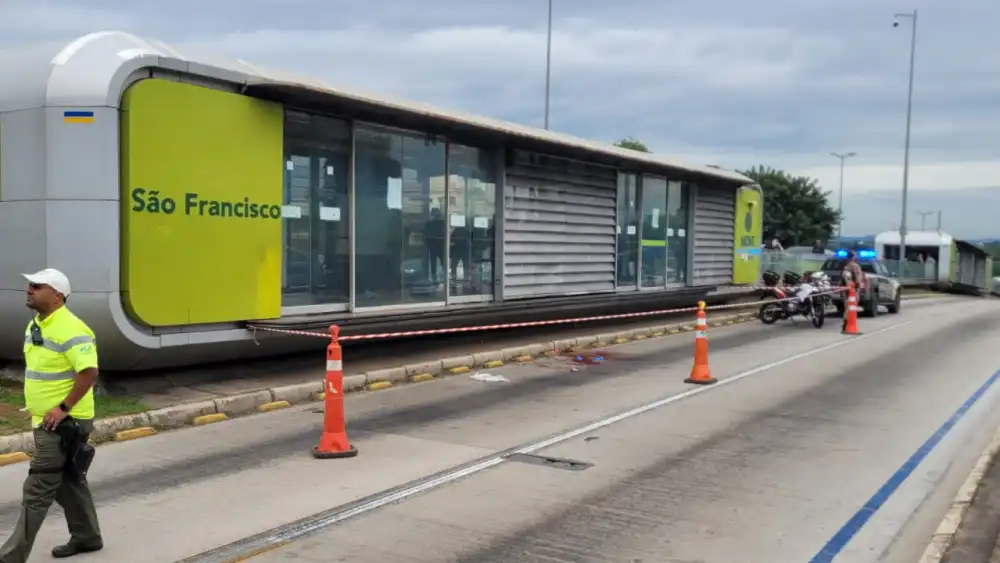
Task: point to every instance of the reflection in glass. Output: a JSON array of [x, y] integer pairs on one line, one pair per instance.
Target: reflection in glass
[[317, 244], [628, 229], [677, 222], [654, 231], [471, 210], [400, 229]]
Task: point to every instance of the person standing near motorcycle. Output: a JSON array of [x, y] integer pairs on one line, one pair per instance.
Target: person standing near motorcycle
[[852, 272]]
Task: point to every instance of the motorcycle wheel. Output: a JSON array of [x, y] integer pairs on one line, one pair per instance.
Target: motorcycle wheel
[[769, 313], [818, 313]]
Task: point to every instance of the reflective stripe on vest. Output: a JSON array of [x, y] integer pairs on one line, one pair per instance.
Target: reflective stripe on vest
[[49, 376], [59, 348]]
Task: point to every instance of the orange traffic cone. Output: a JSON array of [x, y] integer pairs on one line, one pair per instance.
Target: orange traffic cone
[[333, 444], [700, 374], [851, 312]]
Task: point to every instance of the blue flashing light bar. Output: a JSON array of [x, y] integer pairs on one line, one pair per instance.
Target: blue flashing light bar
[[863, 254]]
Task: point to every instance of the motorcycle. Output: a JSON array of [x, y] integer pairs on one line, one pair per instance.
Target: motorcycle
[[782, 304]]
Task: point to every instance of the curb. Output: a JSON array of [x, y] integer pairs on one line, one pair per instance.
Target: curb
[[944, 536], [17, 448]]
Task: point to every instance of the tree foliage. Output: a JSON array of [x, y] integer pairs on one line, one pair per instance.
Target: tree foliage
[[632, 143], [796, 211]]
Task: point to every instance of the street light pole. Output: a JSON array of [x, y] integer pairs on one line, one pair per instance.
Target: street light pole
[[840, 204], [923, 218], [548, 68], [906, 151]]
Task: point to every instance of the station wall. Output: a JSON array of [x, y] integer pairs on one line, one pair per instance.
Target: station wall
[[363, 216]]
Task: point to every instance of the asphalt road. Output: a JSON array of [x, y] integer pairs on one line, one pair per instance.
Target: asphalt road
[[789, 455]]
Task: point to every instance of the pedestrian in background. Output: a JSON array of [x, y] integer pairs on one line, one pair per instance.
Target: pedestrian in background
[[60, 357]]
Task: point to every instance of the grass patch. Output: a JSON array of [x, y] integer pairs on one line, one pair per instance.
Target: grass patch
[[12, 420]]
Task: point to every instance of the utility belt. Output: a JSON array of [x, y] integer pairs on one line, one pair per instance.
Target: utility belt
[[74, 445]]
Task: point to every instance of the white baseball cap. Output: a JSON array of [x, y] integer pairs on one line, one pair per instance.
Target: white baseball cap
[[52, 278]]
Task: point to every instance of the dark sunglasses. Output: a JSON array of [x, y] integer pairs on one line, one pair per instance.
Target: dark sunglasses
[[36, 334]]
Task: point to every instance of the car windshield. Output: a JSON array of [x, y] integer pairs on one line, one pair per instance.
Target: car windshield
[[838, 265]]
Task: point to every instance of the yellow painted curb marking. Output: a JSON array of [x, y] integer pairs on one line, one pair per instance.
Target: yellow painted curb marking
[[675, 331], [134, 433], [276, 406], [11, 459], [379, 385], [493, 363], [621, 340], [641, 337], [550, 353], [524, 358], [209, 418], [659, 333], [730, 322], [459, 369], [319, 396], [421, 377]]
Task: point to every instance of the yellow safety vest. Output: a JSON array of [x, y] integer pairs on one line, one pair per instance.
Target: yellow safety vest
[[55, 350]]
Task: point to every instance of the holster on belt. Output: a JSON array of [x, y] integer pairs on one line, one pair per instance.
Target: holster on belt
[[74, 445]]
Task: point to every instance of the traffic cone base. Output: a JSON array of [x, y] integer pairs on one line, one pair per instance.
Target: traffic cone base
[[700, 375], [334, 447]]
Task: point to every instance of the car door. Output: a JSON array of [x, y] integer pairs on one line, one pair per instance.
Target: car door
[[886, 289]]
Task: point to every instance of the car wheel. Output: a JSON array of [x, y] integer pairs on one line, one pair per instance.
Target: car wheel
[[894, 307], [871, 306]]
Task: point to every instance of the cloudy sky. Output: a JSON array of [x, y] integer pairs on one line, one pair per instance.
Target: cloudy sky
[[726, 82]]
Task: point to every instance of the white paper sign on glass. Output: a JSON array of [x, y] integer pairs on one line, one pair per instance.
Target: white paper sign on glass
[[329, 214], [291, 211], [656, 218], [457, 220], [481, 222], [630, 230]]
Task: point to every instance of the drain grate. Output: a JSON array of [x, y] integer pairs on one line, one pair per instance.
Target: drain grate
[[553, 462]]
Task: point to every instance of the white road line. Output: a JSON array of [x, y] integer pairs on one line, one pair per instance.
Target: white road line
[[281, 536]]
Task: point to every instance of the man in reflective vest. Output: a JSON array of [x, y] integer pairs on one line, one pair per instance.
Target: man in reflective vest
[[60, 371]]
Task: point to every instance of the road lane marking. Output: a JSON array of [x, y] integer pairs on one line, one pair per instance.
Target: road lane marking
[[238, 551], [839, 541]]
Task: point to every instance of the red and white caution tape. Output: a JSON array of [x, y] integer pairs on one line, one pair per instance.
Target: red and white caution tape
[[482, 328]]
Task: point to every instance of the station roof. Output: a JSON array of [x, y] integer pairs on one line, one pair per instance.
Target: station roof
[[93, 70]]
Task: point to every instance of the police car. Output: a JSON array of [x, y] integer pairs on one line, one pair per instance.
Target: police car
[[883, 287]]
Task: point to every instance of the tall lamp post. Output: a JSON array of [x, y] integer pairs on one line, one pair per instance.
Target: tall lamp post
[[912, 17], [923, 218], [840, 204], [548, 68]]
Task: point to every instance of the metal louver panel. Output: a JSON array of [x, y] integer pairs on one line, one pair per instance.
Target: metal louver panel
[[714, 229], [559, 227]]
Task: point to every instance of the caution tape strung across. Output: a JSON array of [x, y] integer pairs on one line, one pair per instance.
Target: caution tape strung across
[[481, 328]]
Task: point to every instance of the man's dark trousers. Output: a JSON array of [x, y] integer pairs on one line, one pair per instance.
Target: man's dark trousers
[[44, 484]]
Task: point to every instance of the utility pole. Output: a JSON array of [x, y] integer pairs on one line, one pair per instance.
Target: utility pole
[[923, 218], [548, 68], [840, 204], [939, 221], [906, 151]]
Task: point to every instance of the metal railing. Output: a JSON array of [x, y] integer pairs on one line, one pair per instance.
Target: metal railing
[[781, 262]]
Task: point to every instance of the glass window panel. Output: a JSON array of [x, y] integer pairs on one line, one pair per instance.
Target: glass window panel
[[677, 223], [628, 230], [317, 247], [471, 215], [654, 231], [400, 229]]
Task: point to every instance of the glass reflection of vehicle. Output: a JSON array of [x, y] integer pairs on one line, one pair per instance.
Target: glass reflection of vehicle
[[883, 287], [780, 292]]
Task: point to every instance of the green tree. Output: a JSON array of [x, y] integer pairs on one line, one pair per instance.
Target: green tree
[[632, 143], [994, 249], [796, 210]]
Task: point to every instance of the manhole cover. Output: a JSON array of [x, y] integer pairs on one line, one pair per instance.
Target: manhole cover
[[553, 462]]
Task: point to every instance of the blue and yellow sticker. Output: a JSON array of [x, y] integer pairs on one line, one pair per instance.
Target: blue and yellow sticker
[[77, 116]]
